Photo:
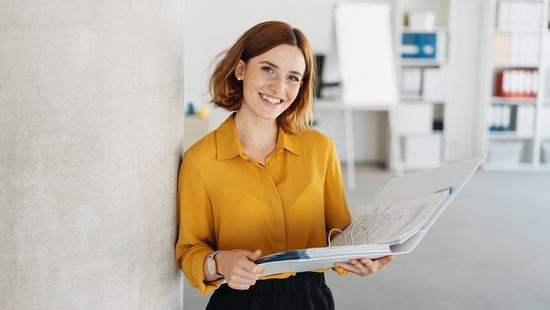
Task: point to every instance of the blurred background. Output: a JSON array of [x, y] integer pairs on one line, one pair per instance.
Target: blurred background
[[99, 100]]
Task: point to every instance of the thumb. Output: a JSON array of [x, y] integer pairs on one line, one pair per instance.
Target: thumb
[[253, 255]]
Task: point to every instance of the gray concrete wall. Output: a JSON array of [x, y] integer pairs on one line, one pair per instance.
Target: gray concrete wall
[[91, 127]]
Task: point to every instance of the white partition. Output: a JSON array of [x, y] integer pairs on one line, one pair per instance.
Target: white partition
[[365, 51]]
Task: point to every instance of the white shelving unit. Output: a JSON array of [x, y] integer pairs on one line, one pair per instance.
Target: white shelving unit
[[516, 128], [423, 145]]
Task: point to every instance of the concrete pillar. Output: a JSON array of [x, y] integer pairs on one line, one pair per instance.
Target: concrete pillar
[[91, 127]]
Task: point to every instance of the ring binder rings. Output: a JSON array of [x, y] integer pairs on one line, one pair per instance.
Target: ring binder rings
[[394, 221], [330, 234], [351, 234]]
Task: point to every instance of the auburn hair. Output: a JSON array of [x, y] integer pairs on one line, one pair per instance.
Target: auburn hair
[[227, 91]]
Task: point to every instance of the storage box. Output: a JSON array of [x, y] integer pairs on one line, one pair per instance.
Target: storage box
[[411, 82], [546, 152], [434, 84], [545, 118], [422, 21], [414, 118], [525, 120], [424, 46], [505, 152], [422, 151]]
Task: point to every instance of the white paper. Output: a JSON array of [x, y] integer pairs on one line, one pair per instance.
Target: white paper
[[390, 223]]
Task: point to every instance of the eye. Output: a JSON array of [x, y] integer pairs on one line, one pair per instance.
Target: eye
[[268, 69], [294, 78]]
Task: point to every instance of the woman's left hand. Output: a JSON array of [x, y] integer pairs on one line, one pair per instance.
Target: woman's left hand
[[365, 266]]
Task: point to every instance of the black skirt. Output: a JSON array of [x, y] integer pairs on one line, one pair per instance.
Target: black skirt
[[306, 290]]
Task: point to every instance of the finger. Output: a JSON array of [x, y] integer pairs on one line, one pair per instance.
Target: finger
[[371, 265], [364, 268], [353, 268], [384, 261], [356, 263], [242, 277], [258, 270], [252, 267], [366, 260], [253, 255], [246, 275]]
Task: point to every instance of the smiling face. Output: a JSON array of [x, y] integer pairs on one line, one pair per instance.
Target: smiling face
[[271, 81]]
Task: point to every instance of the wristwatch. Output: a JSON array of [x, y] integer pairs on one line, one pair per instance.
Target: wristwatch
[[211, 265]]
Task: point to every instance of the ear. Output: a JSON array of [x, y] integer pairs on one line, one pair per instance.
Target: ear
[[240, 69]]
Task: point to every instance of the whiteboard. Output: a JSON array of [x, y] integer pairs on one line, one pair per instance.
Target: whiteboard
[[366, 55]]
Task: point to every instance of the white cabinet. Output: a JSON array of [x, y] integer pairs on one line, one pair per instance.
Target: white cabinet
[[422, 38], [516, 126]]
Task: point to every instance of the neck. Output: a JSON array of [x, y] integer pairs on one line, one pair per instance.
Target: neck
[[256, 133]]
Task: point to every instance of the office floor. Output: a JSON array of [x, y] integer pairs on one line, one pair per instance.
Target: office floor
[[489, 250]]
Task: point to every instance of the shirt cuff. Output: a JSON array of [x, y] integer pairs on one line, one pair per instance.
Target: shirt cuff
[[341, 271]]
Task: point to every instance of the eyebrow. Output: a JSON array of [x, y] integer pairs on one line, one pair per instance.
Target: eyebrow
[[277, 67]]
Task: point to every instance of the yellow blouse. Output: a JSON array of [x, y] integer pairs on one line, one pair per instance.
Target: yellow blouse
[[228, 200]]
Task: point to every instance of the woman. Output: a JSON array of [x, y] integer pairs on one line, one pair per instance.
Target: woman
[[263, 182]]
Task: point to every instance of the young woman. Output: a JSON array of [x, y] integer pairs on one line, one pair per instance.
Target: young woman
[[263, 182]]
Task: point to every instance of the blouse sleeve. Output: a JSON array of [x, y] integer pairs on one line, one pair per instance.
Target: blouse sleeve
[[196, 229], [336, 208]]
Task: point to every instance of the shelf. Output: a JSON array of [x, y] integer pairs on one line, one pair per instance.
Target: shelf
[[436, 133], [517, 30], [406, 100], [506, 65], [407, 29], [523, 167], [509, 136], [339, 105], [508, 147], [513, 101], [409, 62]]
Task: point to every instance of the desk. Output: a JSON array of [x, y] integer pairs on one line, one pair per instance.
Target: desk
[[348, 109]]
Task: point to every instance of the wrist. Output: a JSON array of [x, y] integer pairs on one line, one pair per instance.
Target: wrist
[[212, 266]]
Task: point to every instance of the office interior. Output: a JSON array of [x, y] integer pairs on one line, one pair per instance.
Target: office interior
[[484, 252], [95, 115]]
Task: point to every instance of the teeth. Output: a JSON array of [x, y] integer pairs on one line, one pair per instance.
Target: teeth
[[271, 99]]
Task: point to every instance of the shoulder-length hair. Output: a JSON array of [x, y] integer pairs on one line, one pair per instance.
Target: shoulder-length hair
[[227, 91]]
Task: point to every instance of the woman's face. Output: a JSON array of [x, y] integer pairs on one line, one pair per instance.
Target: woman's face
[[271, 81]]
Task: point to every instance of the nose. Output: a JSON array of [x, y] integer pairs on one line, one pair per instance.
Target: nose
[[277, 85]]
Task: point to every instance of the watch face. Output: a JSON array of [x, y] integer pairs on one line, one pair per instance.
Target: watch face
[[211, 265]]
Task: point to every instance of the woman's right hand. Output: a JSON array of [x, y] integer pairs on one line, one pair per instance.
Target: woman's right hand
[[238, 267]]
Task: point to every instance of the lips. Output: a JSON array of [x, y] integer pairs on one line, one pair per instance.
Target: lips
[[271, 100]]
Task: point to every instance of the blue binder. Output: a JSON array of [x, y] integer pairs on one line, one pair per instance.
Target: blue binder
[[419, 45]]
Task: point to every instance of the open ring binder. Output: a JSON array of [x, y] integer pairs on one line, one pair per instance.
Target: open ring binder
[[394, 222], [351, 234]]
